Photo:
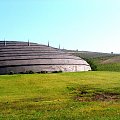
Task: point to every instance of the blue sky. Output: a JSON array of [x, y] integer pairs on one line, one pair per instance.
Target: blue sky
[[90, 25]]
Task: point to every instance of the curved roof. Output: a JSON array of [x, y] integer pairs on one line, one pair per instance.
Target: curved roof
[[24, 56]]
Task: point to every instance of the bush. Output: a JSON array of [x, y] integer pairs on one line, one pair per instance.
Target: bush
[[29, 72], [43, 72], [11, 73], [22, 72], [54, 71], [91, 63], [57, 71], [38, 72]]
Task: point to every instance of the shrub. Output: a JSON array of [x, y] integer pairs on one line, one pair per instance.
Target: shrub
[[11, 73], [60, 71], [91, 63], [22, 72], [54, 71], [57, 71], [38, 72], [29, 72], [43, 72]]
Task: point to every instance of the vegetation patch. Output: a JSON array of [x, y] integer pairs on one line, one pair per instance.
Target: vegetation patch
[[91, 63], [86, 93]]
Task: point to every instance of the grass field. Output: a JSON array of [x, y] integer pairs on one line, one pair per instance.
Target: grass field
[[108, 63], [63, 96]]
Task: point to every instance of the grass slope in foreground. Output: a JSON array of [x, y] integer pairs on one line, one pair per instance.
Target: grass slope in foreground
[[64, 96]]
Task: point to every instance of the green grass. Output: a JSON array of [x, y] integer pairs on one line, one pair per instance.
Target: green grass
[[107, 63], [63, 96], [109, 67]]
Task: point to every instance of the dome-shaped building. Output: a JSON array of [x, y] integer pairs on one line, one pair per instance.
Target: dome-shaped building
[[20, 57]]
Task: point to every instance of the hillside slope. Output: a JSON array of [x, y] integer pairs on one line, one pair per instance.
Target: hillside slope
[[107, 63], [88, 54]]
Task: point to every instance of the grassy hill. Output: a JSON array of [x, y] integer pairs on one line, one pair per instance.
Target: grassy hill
[[89, 54], [63, 96], [111, 63]]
